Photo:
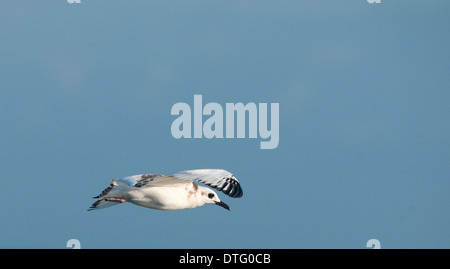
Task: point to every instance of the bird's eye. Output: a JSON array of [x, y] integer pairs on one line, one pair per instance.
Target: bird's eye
[[210, 195]]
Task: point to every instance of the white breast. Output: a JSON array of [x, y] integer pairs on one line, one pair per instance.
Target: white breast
[[169, 197]]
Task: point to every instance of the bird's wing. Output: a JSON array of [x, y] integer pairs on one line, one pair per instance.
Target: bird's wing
[[151, 180], [140, 180], [219, 179]]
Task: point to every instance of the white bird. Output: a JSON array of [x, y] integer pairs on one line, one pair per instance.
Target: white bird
[[170, 192]]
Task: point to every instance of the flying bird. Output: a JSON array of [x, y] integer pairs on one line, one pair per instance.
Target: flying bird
[[170, 192]]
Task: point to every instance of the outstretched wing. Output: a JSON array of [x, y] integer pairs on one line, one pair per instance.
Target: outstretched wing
[[219, 179], [140, 180]]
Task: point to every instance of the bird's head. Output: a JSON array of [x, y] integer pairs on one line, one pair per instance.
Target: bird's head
[[210, 197]]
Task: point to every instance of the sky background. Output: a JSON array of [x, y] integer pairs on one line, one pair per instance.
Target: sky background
[[86, 92]]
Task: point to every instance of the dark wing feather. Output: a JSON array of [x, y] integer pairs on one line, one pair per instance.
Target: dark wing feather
[[219, 179], [140, 180]]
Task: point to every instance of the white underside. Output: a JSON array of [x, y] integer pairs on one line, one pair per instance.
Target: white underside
[[170, 197]]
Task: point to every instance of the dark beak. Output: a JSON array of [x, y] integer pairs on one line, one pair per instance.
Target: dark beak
[[222, 204]]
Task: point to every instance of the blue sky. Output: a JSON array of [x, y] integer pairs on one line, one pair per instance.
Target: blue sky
[[86, 92]]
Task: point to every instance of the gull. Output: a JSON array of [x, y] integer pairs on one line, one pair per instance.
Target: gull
[[170, 192]]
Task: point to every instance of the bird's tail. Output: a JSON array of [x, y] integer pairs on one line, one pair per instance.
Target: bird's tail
[[110, 196]]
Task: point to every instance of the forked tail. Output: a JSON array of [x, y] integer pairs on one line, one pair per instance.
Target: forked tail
[[112, 195]]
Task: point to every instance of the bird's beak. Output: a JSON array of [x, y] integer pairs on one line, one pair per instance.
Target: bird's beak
[[222, 204]]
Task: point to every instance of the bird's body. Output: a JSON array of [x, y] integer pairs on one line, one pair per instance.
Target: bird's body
[[166, 197], [170, 192]]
